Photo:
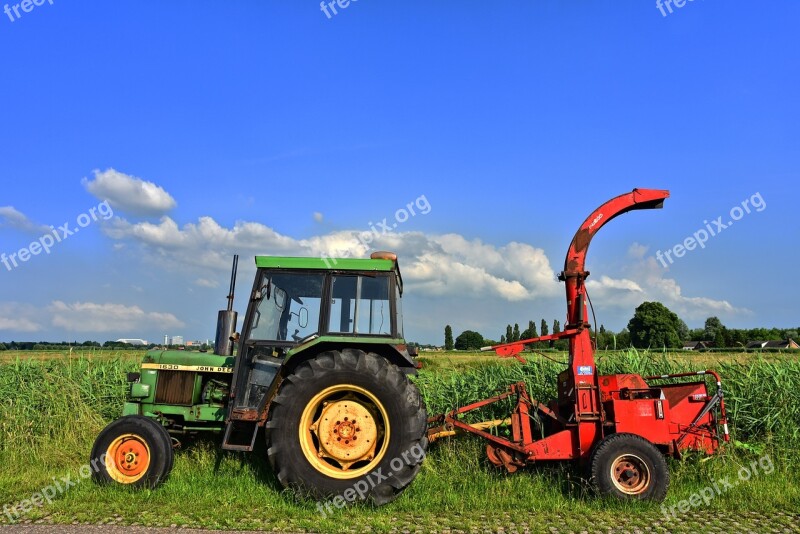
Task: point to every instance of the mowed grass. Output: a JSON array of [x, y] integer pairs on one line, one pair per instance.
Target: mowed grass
[[51, 409]]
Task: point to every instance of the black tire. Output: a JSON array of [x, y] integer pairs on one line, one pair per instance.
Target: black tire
[[628, 467], [376, 395], [147, 461]]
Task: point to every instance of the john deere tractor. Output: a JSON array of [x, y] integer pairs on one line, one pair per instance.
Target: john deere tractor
[[321, 365]]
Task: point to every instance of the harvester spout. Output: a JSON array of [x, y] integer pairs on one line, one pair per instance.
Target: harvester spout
[[638, 199], [574, 265]]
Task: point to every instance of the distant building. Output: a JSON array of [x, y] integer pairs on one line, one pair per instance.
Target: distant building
[[696, 345], [167, 340], [177, 340], [783, 344], [133, 341]]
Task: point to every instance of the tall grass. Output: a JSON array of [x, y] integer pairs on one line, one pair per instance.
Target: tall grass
[[52, 410], [762, 396]]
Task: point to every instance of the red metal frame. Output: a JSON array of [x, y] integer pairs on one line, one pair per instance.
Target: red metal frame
[[676, 416]]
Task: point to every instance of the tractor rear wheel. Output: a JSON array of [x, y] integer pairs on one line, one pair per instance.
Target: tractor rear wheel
[[133, 450], [347, 424], [627, 466]]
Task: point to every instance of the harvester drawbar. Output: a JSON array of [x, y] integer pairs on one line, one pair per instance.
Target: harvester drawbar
[[620, 426]]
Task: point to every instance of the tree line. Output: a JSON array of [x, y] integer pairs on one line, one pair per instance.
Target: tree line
[[61, 345], [653, 325]]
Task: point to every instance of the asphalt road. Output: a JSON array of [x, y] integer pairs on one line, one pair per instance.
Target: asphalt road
[[106, 529], [715, 522]]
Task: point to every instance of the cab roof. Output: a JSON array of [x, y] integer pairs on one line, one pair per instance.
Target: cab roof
[[326, 264]]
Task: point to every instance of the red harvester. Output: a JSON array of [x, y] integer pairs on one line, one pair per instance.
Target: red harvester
[[620, 426]]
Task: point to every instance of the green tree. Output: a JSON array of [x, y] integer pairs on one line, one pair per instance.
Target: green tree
[[739, 338], [556, 330], [697, 334], [544, 327], [529, 332], [654, 326], [516, 332], [469, 340], [509, 334], [602, 337], [713, 327], [448, 338], [719, 340], [622, 340], [502, 340], [2, 346]]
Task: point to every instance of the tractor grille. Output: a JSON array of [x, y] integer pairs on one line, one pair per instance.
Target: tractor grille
[[175, 387]]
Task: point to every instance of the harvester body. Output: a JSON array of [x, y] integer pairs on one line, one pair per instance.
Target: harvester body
[[664, 414]]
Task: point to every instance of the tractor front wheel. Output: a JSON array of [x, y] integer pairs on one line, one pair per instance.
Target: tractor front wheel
[[627, 466], [350, 424], [133, 450]]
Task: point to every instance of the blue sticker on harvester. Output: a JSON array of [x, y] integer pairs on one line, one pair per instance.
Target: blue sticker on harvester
[[585, 370]]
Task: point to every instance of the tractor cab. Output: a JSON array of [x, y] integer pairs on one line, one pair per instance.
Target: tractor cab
[[300, 307], [287, 305]]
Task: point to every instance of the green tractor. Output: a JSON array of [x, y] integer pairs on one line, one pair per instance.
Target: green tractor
[[321, 365]]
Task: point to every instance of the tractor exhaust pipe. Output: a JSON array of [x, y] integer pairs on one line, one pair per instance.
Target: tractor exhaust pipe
[[226, 319]]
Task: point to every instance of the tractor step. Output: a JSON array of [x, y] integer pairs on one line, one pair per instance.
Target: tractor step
[[240, 436]]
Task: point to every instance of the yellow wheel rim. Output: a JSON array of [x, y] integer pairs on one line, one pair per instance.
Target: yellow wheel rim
[[127, 458], [630, 474], [344, 431]]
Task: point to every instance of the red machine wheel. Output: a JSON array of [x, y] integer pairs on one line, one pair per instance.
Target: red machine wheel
[[627, 466]]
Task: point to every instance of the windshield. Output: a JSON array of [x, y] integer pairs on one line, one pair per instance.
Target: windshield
[[360, 305], [288, 306]]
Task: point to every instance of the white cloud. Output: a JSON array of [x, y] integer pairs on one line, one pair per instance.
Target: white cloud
[[18, 317], [92, 317], [606, 282], [432, 264], [646, 282], [172, 245], [10, 217], [452, 265], [19, 324], [693, 307], [637, 251], [129, 193], [447, 270]]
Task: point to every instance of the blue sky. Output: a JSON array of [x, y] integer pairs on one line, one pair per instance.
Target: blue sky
[[265, 127]]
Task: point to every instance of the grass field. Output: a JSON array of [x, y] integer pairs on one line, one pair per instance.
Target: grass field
[[52, 406]]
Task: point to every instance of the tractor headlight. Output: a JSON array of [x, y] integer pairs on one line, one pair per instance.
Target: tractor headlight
[[140, 391]]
